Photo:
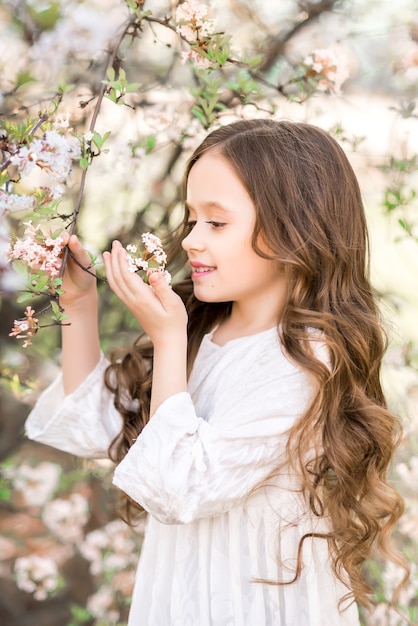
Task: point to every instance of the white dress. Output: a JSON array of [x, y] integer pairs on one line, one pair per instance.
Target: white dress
[[195, 468]]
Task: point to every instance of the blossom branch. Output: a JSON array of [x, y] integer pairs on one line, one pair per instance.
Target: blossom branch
[[102, 91], [83, 267], [43, 118]]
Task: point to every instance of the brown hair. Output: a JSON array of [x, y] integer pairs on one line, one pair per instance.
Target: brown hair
[[310, 215]]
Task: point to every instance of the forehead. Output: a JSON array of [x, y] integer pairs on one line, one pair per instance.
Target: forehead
[[213, 184]]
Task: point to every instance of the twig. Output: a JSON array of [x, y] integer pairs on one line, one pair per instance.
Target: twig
[[96, 110], [85, 269]]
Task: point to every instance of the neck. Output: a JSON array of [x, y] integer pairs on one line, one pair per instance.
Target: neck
[[245, 321]]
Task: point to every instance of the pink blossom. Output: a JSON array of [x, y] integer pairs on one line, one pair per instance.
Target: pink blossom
[[327, 69], [38, 250], [197, 59], [193, 12], [194, 25], [25, 328]]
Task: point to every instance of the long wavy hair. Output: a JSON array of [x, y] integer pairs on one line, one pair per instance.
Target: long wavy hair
[[310, 216]]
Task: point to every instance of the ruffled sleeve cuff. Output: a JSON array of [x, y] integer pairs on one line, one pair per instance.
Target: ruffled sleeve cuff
[[83, 422]]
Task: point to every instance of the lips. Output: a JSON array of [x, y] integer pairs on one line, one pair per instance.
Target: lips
[[202, 270], [199, 269]]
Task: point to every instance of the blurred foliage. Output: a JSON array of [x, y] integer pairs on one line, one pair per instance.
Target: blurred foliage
[[132, 87]]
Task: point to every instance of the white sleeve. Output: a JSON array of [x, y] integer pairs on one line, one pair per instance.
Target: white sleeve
[[83, 423], [182, 467]]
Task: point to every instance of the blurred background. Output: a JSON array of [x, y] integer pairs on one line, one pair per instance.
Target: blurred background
[[347, 66]]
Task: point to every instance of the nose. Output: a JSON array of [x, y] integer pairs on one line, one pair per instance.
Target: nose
[[194, 240]]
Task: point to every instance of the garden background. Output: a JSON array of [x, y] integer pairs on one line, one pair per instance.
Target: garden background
[[101, 102]]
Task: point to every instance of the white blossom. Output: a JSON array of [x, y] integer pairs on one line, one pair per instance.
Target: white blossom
[[81, 33], [153, 260], [36, 483], [12, 202], [36, 574], [67, 517], [100, 605], [110, 548]]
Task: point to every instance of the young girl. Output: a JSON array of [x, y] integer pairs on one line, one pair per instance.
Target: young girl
[[261, 449]]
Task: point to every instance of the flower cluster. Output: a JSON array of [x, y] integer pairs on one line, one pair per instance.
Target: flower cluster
[[154, 258], [197, 59], [194, 25], [53, 152], [38, 250], [81, 32], [10, 202], [44, 161], [25, 328], [101, 605], [36, 574], [111, 549], [66, 517], [36, 484], [326, 69]]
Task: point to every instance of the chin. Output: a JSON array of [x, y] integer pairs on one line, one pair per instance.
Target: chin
[[209, 299]]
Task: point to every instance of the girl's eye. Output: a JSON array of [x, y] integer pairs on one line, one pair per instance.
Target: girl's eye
[[190, 224], [216, 225]]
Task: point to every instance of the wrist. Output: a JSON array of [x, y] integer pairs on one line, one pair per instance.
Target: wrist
[[174, 341], [82, 302]]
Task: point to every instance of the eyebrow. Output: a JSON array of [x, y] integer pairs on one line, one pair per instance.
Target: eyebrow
[[207, 205]]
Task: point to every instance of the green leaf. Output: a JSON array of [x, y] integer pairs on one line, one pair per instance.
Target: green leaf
[[55, 308], [198, 113], [133, 87], [112, 95], [150, 143], [24, 297], [23, 78], [41, 282], [63, 88]]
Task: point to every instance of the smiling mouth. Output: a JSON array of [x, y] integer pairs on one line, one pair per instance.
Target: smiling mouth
[[202, 270]]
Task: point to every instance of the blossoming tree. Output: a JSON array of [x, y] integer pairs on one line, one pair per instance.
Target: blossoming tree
[[101, 103]]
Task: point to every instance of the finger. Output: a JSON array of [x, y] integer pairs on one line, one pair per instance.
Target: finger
[[79, 259], [107, 260], [78, 249], [114, 272], [128, 281], [65, 237], [162, 290]]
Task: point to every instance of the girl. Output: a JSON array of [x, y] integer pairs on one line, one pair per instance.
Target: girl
[[261, 449]]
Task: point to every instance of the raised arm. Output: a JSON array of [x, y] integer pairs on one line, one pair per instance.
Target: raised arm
[[80, 339], [162, 315]]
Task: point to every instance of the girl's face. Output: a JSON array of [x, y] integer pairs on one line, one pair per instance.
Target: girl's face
[[225, 268]]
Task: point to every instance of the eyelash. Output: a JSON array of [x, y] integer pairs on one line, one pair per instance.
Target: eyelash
[[215, 225]]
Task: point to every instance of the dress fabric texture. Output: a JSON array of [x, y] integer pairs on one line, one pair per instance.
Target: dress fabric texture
[[216, 527]]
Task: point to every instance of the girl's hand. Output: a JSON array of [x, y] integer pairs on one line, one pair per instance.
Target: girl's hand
[[77, 282], [159, 310]]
